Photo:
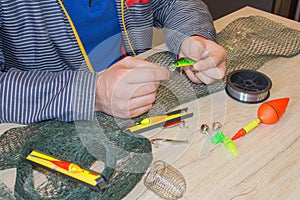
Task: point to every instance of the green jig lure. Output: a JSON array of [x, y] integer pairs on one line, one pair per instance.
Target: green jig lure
[[182, 62]]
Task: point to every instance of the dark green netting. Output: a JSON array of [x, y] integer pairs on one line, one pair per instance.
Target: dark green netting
[[126, 157], [251, 41]]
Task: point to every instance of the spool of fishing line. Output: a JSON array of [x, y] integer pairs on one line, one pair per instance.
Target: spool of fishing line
[[248, 86]]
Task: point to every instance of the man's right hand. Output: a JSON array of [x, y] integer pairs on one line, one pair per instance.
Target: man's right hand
[[128, 88]]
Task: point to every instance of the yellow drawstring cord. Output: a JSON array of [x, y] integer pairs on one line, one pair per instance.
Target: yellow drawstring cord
[[86, 58], [124, 26]]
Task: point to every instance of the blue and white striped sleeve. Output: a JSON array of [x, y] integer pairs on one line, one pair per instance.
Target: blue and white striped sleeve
[[181, 19], [32, 96]]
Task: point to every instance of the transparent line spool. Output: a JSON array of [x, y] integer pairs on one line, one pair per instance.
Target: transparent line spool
[[248, 86], [165, 181]]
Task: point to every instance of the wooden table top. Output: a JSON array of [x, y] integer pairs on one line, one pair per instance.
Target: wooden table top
[[268, 162]]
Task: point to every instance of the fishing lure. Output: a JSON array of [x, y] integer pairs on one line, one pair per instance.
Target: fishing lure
[[68, 169], [218, 138], [160, 141], [182, 62], [166, 120]]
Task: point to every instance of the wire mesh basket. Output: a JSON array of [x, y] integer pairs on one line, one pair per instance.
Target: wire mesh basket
[[165, 181]]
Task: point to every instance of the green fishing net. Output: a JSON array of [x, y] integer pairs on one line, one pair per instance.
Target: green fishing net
[[126, 157], [250, 41]]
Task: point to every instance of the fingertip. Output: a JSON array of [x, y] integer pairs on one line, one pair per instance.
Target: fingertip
[[192, 76], [167, 73], [223, 69], [186, 68]]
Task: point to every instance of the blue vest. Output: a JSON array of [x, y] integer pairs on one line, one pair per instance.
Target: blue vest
[[97, 25]]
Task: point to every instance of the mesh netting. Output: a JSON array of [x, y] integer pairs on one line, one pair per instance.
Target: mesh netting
[[250, 42], [126, 157]]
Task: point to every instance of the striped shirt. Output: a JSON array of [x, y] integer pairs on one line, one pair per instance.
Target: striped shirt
[[98, 28], [45, 73]]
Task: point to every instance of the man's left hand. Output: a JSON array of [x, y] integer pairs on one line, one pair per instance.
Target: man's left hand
[[209, 56]]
